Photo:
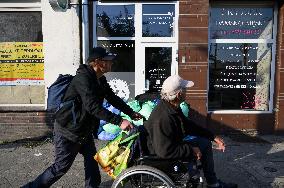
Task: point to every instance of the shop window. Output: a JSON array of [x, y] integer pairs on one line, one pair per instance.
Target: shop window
[[158, 20], [121, 77], [21, 58], [241, 23], [125, 50], [115, 21], [241, 57], [158, 67], [115, 31]]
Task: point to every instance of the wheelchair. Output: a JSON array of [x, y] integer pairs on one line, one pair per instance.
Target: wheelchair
[[150, 171]]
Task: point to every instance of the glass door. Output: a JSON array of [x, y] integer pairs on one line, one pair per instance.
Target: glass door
[[158, 61]]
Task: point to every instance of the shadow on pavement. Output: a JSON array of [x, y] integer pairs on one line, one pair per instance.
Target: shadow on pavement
[[28, 142], [257, 155]]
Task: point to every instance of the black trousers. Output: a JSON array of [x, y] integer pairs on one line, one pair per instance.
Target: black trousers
[[207, 160], [65, 154]]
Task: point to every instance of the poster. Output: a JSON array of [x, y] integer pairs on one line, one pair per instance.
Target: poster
[[21, 63]]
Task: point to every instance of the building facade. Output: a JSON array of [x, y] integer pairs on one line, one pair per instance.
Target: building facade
[[233, 51]]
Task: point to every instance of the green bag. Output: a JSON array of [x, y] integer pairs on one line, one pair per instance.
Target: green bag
[[124, 116], [113, 158], [138, 122], [134, 105], [185, 108], [111, 128], [147, 109]]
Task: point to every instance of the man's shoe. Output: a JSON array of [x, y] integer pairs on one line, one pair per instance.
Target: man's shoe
[[221, 184]]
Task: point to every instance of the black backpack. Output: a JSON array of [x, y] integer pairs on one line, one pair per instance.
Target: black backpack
[[57, 91]]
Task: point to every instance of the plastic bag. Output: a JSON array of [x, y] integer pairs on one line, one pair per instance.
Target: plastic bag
[[109, 107], [103, 135], [138, 122], [134, 105], [147, 109], [114, 157], [185, 108], [124, 116], [111, 128]]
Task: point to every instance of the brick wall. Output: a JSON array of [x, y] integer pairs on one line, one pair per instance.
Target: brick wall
[[193, 48], [279, 69], [22, 125]]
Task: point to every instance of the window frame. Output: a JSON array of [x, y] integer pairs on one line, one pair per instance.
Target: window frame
[[141, 42], [273, 58], [137, 20], [20, 6]]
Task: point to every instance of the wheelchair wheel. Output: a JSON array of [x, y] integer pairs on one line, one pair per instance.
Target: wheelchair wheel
[[144, 177]]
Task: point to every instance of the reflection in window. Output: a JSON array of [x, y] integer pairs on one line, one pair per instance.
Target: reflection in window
[[21, 49], [122, 84], [158, 20], [241, 23], [157, 66], [21, 27], [125, 50], [240, 71], [239, 76], [115, 21]]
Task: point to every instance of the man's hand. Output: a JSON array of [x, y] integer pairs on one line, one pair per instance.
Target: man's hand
[[197, 153], [136, 116], [126, 125], [220, 143]]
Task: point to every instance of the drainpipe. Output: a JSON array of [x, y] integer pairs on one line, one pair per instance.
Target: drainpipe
[[85, 31]]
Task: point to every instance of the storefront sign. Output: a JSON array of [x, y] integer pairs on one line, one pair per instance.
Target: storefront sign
[[236, 23]]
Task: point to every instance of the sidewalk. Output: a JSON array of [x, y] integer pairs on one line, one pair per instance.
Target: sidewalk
[[248, 161]]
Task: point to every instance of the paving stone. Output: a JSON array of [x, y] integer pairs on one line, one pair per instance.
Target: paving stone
[[253, 163]]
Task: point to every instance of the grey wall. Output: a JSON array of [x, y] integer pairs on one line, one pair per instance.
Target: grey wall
[[61, 39]]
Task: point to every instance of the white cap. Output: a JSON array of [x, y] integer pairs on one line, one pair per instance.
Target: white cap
[[175, 83]]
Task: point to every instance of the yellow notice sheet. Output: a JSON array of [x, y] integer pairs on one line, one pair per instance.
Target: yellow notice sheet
[[21, 63]]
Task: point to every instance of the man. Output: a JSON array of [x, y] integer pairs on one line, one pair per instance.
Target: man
[[75, 124], [167, 126]]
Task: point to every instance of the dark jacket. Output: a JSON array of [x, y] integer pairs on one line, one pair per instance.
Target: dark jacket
[[166, 129], [89, 94]]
